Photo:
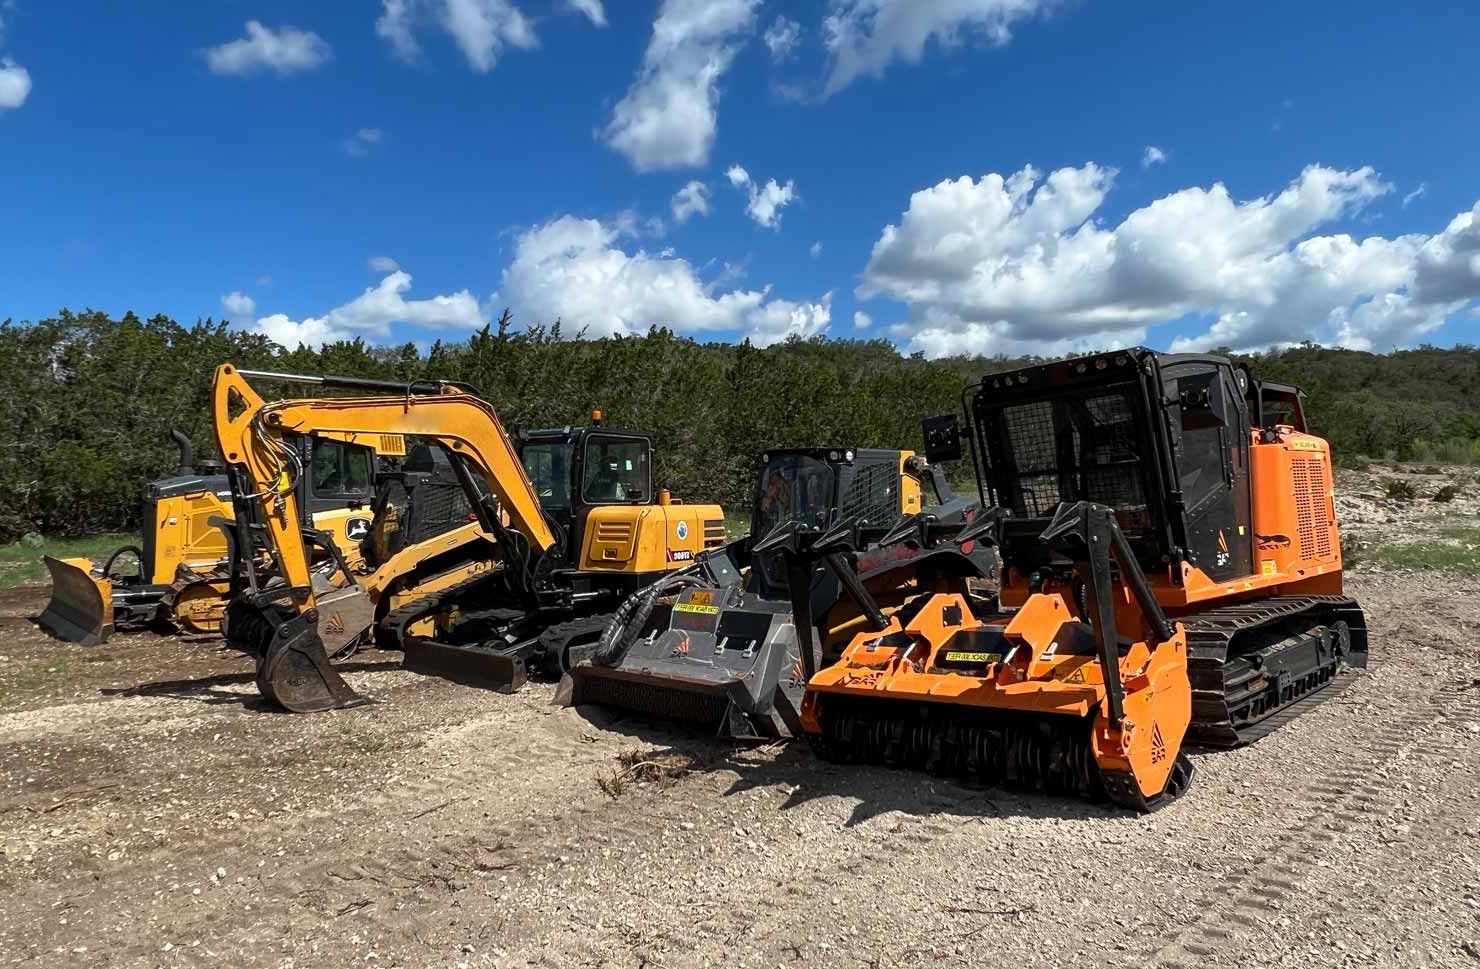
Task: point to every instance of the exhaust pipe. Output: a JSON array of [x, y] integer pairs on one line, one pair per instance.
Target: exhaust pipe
[[187, 452]]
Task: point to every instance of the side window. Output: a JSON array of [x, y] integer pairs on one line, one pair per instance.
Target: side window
[[873, 494], [616, 469], [342, 470]]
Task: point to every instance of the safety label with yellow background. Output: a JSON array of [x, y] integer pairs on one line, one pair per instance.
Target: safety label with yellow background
[[697, 607], [957, 657]]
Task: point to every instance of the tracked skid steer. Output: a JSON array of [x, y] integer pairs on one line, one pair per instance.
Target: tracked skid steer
[[717, 644], [1171, 575]]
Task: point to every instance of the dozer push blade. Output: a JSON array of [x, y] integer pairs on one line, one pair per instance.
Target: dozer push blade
[[81, 606], [478, 666], [295, 673]]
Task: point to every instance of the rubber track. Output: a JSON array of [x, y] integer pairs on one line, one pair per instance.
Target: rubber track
[[1330, 804], [1209, 636], [390, 633]]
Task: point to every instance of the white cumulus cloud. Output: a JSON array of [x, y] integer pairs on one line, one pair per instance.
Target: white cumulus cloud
[[689, 201], [15, 84], [669, 115], [1020, 264], [239, 307], [865, 36], [383, 264], [282, 50], [371, 314], [579, 271], [1152, 156], [816, 249], [591, 8], [782, 37], [862, 321], [482, 29], [764, 202]]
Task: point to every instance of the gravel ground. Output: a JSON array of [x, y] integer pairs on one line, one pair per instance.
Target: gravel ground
[[154, 814]]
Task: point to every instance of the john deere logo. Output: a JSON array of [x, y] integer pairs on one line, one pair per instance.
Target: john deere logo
[[682, 531], [356, 529]]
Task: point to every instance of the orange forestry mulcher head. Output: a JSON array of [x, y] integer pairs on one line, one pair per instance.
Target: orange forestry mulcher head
[[1082, 690]]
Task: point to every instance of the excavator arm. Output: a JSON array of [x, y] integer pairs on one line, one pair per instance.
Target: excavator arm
[[277, 621]]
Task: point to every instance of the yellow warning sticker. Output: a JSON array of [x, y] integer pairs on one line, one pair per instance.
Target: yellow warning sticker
[[1303, 444], [959, 657], [696, 607], [1068, 675], [1268, 567]]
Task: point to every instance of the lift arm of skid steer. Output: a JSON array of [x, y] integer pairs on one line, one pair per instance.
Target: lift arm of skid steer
[[292, 668]]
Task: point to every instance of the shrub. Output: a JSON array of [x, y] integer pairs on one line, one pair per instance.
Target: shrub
[[1399, 489], [1446, 494]]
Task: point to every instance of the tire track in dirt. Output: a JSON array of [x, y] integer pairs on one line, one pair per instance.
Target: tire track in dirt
[[1330, 804]]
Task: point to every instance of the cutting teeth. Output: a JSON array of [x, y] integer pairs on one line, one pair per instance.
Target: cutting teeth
[[1049, 755]]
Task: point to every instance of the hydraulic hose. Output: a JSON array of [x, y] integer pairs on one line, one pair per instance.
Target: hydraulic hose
[[632, 615]]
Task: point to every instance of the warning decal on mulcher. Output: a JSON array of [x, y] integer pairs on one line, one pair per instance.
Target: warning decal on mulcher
[[697, 607], [959, 657], [1074, 675]]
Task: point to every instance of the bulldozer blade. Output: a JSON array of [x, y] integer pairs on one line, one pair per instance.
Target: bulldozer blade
[[81, 606], [295, 673], [477, 666]]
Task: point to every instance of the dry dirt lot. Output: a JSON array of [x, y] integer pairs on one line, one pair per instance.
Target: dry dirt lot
[[153, 814]]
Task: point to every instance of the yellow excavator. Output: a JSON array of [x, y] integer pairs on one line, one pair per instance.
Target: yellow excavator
[[177, 574], [568, 546]]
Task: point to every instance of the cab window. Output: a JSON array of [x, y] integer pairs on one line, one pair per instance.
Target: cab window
[[616, 469], [341, 470], [548, 467], [794, 487]]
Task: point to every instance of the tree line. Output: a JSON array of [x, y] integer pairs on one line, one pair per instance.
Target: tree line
[[87, 401]]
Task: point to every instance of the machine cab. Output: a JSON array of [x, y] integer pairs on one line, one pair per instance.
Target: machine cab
[[576, 469], [821, 486]]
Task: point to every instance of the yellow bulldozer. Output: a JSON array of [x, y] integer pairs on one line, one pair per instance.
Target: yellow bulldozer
[[575, 520], [177, 575]]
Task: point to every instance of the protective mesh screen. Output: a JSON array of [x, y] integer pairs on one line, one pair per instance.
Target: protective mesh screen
[[1072, 449], [872, 495]]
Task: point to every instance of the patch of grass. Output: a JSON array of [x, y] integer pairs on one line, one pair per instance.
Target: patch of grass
[[33, 678], [1463, 534], [737, 525], [20, 562], [1428, 556]]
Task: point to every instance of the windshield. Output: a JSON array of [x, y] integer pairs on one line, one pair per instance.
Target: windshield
[[548, 467], [793, 486], [616, 470]]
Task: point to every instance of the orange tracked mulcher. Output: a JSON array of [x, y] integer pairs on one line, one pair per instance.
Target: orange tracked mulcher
[[1171, 571]]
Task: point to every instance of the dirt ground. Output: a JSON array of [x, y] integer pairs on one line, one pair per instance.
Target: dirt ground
[[154, 814]]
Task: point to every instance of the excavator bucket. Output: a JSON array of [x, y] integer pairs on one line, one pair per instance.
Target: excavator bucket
[[294, 672], [81, 607]]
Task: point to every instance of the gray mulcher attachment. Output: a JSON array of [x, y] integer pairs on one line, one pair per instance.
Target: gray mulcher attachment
[[696, 647]]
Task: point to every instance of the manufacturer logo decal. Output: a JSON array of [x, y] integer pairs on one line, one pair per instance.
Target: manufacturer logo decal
[[682, 531], [679, 555], [1158, 746], [335, 624], [356, 528]]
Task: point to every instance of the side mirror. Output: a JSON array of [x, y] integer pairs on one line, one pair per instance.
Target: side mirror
[[942, 438]]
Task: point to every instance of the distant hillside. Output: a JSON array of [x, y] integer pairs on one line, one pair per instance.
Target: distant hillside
[[86, 401]]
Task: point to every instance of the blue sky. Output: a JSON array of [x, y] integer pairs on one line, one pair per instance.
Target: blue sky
[[168, 157]]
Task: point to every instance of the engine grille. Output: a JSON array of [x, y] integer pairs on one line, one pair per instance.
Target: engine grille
[[617, 531], [1310, 507]]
